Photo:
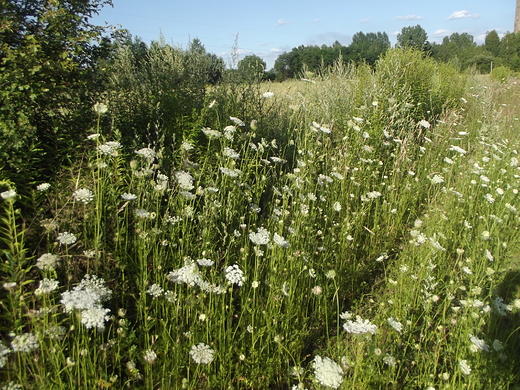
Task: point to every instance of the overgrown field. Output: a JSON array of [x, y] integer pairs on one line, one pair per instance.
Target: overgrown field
[[357, 230]]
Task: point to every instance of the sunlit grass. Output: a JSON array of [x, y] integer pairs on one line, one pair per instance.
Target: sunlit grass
[[360, 246]]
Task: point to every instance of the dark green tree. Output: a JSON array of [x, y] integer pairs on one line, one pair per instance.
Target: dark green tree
[[492, 43], [368, 47], [48, 50], [251, 68], [413, 37]]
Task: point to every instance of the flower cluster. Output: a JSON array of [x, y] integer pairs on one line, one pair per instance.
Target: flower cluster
[[83, 195], [87, 297], [234, 275], [202, 353], [66, 238], [359, 326], [328, 372], [47, 262]]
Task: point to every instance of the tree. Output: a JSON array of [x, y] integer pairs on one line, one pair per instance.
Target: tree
[[251, 68], [413, 37], [48, 50], [455, 48], [368, 47], [492, 43]]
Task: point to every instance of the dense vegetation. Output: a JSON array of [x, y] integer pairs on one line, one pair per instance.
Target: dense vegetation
[[167, 223]]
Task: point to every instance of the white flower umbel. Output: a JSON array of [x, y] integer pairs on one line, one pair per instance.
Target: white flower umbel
[[359, 326], [202, 353], [128, 196], [280, 241], [149, 356], [83, 195], [261, 237], [231, 153], [10, 194], [46, 286], [464, 367], [95, 317], [395, 324], [25, 342], [91, 292], [230, 172], [109, 148], [4, 351], [147, 153], [328, 372], [66, 238], [185, 180], [47, 262], [478, 344], [188, 274], [43, 187], [234, 275], [155, 290]]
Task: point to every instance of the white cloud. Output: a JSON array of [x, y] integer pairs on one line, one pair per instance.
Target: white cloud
[[442, 33], [282, 22], [462, 14], [409, 17], [366, 20]]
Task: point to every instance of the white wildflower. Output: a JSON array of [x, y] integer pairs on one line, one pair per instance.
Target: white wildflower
[[261, 237], [46, 286], [25, 342], [437, 179], [328, 372], [95, 317], [230, 172], [395, 324], [268, 95], [464, 367], [66, 238], [235, 275], [109, 148], [489, 198], [100, 108], [47, 262], [141, 213], [185, 180], [83, 195], [4, 351], [155, 290], [10, 194], [280, 241], [149, 356], [359, 326], [128, 196], [211, 133], [205, 262], [147, 153], [237, 121], [202, 353], [188, 274], [336, 206], [479, 344], [457, 149], [231, 153], [43, 187]]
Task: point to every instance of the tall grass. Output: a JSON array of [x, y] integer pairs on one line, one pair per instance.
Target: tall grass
[[337, 234]]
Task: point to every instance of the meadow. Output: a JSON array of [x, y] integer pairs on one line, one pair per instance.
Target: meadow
[[357, 229]]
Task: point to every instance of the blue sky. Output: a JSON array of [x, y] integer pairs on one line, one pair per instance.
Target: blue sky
[[268, 28]]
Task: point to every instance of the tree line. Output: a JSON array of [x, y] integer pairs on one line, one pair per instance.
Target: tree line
[[55, 65]]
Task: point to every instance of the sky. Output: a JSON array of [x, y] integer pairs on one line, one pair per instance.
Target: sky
[[268, 28]]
